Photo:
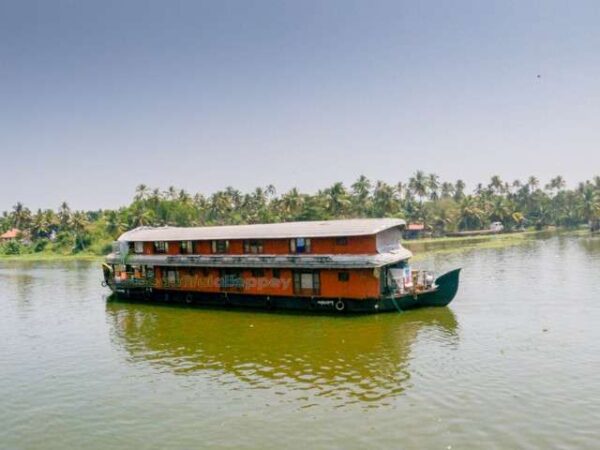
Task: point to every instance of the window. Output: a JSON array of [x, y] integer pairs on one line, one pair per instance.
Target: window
[[343, 276], [307, 282], [170, 277], [138, 247], [231, 279], [186, 247], [343, 240], [276, 273], [258, 273], [253, 246], [161, 247], [221, 246], [300, 245]]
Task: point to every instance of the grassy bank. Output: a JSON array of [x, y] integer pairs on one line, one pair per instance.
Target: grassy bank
[[426, 247], [34, 257]]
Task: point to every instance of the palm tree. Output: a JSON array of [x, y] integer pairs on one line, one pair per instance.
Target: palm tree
[[447, 189], [64, 215], [384, 200], [141, 192], [401, 189], [337, 199], [500, 210], [459, 190], [470, 214], [270, 190], [533, 182], [496, 184], [361, 195], [419, 184], [433, 184], [590, 205], [39, 227], [21, 216], [558, 183], [361, 188], [291, 204], [479, 189], [79, 222], [183, 197], [141, 217], [115, 226]]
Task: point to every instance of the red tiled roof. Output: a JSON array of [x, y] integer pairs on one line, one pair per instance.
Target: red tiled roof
[[416, 227], [10, 234]]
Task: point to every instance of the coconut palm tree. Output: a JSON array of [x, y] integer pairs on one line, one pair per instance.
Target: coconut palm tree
[[141, 192], [338, 199], [447, 189], [500, 210], [79, 223], [418, 184], [471, 216], [433, 184], [21, 216], [115, 226], [64, 215], [590, 205], [384, 200], [361, 196], [496, 184], [533, 182], [459, 190]]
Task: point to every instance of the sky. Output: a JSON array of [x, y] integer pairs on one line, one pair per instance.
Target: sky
[[97, 97]]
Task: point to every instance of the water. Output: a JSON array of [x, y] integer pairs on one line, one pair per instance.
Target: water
[[514, 362]]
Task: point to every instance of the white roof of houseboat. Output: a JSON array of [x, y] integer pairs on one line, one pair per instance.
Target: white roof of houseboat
[[286, 230]]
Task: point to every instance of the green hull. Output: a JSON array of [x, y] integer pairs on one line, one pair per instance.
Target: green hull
[[447, 287]]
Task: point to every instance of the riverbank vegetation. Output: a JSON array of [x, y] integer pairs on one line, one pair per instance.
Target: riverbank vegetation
[[442, 206]]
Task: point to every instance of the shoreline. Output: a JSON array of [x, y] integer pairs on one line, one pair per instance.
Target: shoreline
[[49, 257], [420, 247], [424, 248]]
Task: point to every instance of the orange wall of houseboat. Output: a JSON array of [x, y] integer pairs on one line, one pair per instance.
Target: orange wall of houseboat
[[319, 246], [203, 247], [276, 246], [361, 283], [355, 245], [173, 248], [267, 285]]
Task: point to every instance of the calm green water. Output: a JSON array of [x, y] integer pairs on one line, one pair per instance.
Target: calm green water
[[514, 362]]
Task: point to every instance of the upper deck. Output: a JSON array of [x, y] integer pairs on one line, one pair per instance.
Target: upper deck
[[351, 243]]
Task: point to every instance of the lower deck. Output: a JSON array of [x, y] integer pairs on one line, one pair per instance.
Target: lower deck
[[387, 288], [305, 291], [360, 283]]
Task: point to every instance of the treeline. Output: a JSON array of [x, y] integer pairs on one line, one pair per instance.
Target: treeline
[[442, 206]]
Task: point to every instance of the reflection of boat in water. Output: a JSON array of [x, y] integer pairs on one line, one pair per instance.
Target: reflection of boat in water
[[353, 360]]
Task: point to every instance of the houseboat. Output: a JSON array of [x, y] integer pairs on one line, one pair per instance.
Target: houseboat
[[356, 265]]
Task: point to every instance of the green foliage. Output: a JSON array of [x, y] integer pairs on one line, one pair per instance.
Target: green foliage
[[442, 205], [13, 248], [40, 245]]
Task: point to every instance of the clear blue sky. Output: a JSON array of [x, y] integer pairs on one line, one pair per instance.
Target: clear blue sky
[[97, 97]]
